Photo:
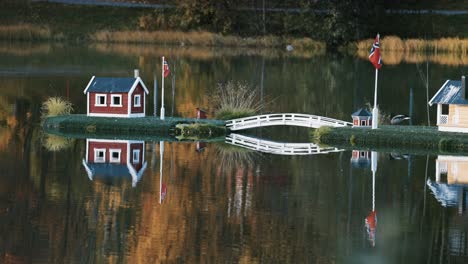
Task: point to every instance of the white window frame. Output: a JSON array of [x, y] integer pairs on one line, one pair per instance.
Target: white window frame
[[137, 159], [139, 100], [116, 96], [99, 159], [111, 158], [96, 102], [363, 123]]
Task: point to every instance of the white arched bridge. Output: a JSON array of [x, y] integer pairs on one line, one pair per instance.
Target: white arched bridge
[[285, 119], [277, 147]]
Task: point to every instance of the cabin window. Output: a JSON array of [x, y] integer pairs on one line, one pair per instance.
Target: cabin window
[[136, 156], [362, 154], [445, 109], [101, 100], [115, 155], [137, 100], [363, 122], [99, 155], [116, 100]]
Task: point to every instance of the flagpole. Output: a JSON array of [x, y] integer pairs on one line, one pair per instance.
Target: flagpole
[[375, 111], [374, 170], [161, 155], [162, 89]]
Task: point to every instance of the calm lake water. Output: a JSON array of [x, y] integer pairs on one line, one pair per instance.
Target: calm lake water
[[214, 203]]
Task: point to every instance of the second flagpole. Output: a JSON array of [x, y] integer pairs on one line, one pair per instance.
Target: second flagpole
[[162, 89], [375, 111]]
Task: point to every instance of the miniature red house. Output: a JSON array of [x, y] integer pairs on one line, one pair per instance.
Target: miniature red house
[[115, 159], [362, 117], [116, 97]]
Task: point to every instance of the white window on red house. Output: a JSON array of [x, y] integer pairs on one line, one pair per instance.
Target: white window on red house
[[137, 100], [116, 100], [101, 100], [363, 122], [99, 155], [115, 155], [136, 156]]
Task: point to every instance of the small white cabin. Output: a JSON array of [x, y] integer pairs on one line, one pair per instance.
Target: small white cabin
[[452, 106]]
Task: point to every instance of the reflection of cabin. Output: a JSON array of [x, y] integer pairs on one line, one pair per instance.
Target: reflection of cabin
[[116, 97], [115, 159], [452, 106], [361, 159], [362, 117], [451, 185]]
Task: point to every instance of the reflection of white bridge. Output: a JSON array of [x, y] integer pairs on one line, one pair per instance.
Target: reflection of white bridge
[[277, 147], [286, 119]]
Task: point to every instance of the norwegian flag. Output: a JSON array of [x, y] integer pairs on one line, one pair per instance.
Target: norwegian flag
[[166, 69], [374, 55]]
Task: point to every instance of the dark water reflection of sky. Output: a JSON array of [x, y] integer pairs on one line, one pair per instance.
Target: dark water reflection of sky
[[222, 204]]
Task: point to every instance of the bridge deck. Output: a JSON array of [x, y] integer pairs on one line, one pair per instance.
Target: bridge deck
[[277, 147], [284, 119]]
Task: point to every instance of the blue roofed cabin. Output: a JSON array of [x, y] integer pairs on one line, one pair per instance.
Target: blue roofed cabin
[[362, 118], [116, 97], [452, 106]]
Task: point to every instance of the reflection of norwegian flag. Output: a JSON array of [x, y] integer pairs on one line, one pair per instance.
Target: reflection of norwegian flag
[[166, 69], [371, 224], [163, 192], [374, 55]]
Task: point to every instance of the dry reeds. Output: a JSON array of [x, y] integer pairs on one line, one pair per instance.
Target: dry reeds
[[203, 38], [235, 100], [394, 43], [25, 32], [56, 143], [55, 106]]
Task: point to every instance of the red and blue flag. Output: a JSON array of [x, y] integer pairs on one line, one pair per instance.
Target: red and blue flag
[[374, 55]]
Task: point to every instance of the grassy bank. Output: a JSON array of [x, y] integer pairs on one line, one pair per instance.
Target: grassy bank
[[405, 139], [203, 38], [394, 43], [117, 127]]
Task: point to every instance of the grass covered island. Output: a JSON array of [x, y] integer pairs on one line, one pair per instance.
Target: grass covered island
[[404, 139], [137, 127]]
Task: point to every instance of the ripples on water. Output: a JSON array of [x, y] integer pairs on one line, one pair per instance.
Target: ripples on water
[[223, 203]]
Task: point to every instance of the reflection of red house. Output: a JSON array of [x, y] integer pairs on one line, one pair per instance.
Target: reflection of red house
[[116, 97], [115, 159]]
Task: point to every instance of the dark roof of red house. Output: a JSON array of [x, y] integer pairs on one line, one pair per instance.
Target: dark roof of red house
[[113, 84], [361, 112]]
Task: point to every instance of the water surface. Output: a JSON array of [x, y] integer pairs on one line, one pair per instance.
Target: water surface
[[214, 202]]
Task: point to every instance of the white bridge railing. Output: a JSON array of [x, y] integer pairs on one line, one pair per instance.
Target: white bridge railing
[[277, 147], [287, 119]]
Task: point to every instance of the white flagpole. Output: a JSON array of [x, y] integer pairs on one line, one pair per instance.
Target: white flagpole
[[374, 157], [162, 90], [375, 111], [161, 154]]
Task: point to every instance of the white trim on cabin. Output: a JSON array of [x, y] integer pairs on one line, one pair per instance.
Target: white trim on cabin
[[112, 100], [89, 84], [453, 129], [137, 81], [440, 89], [87, 104], [111, 152], [451, 158], [97, 102], [87, 169], [139, 100], [137, 152], [115, 141], [98, 159], [116, 115]]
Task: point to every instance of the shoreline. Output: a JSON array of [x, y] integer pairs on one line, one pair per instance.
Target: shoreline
[[402, 139], [142, 127]]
